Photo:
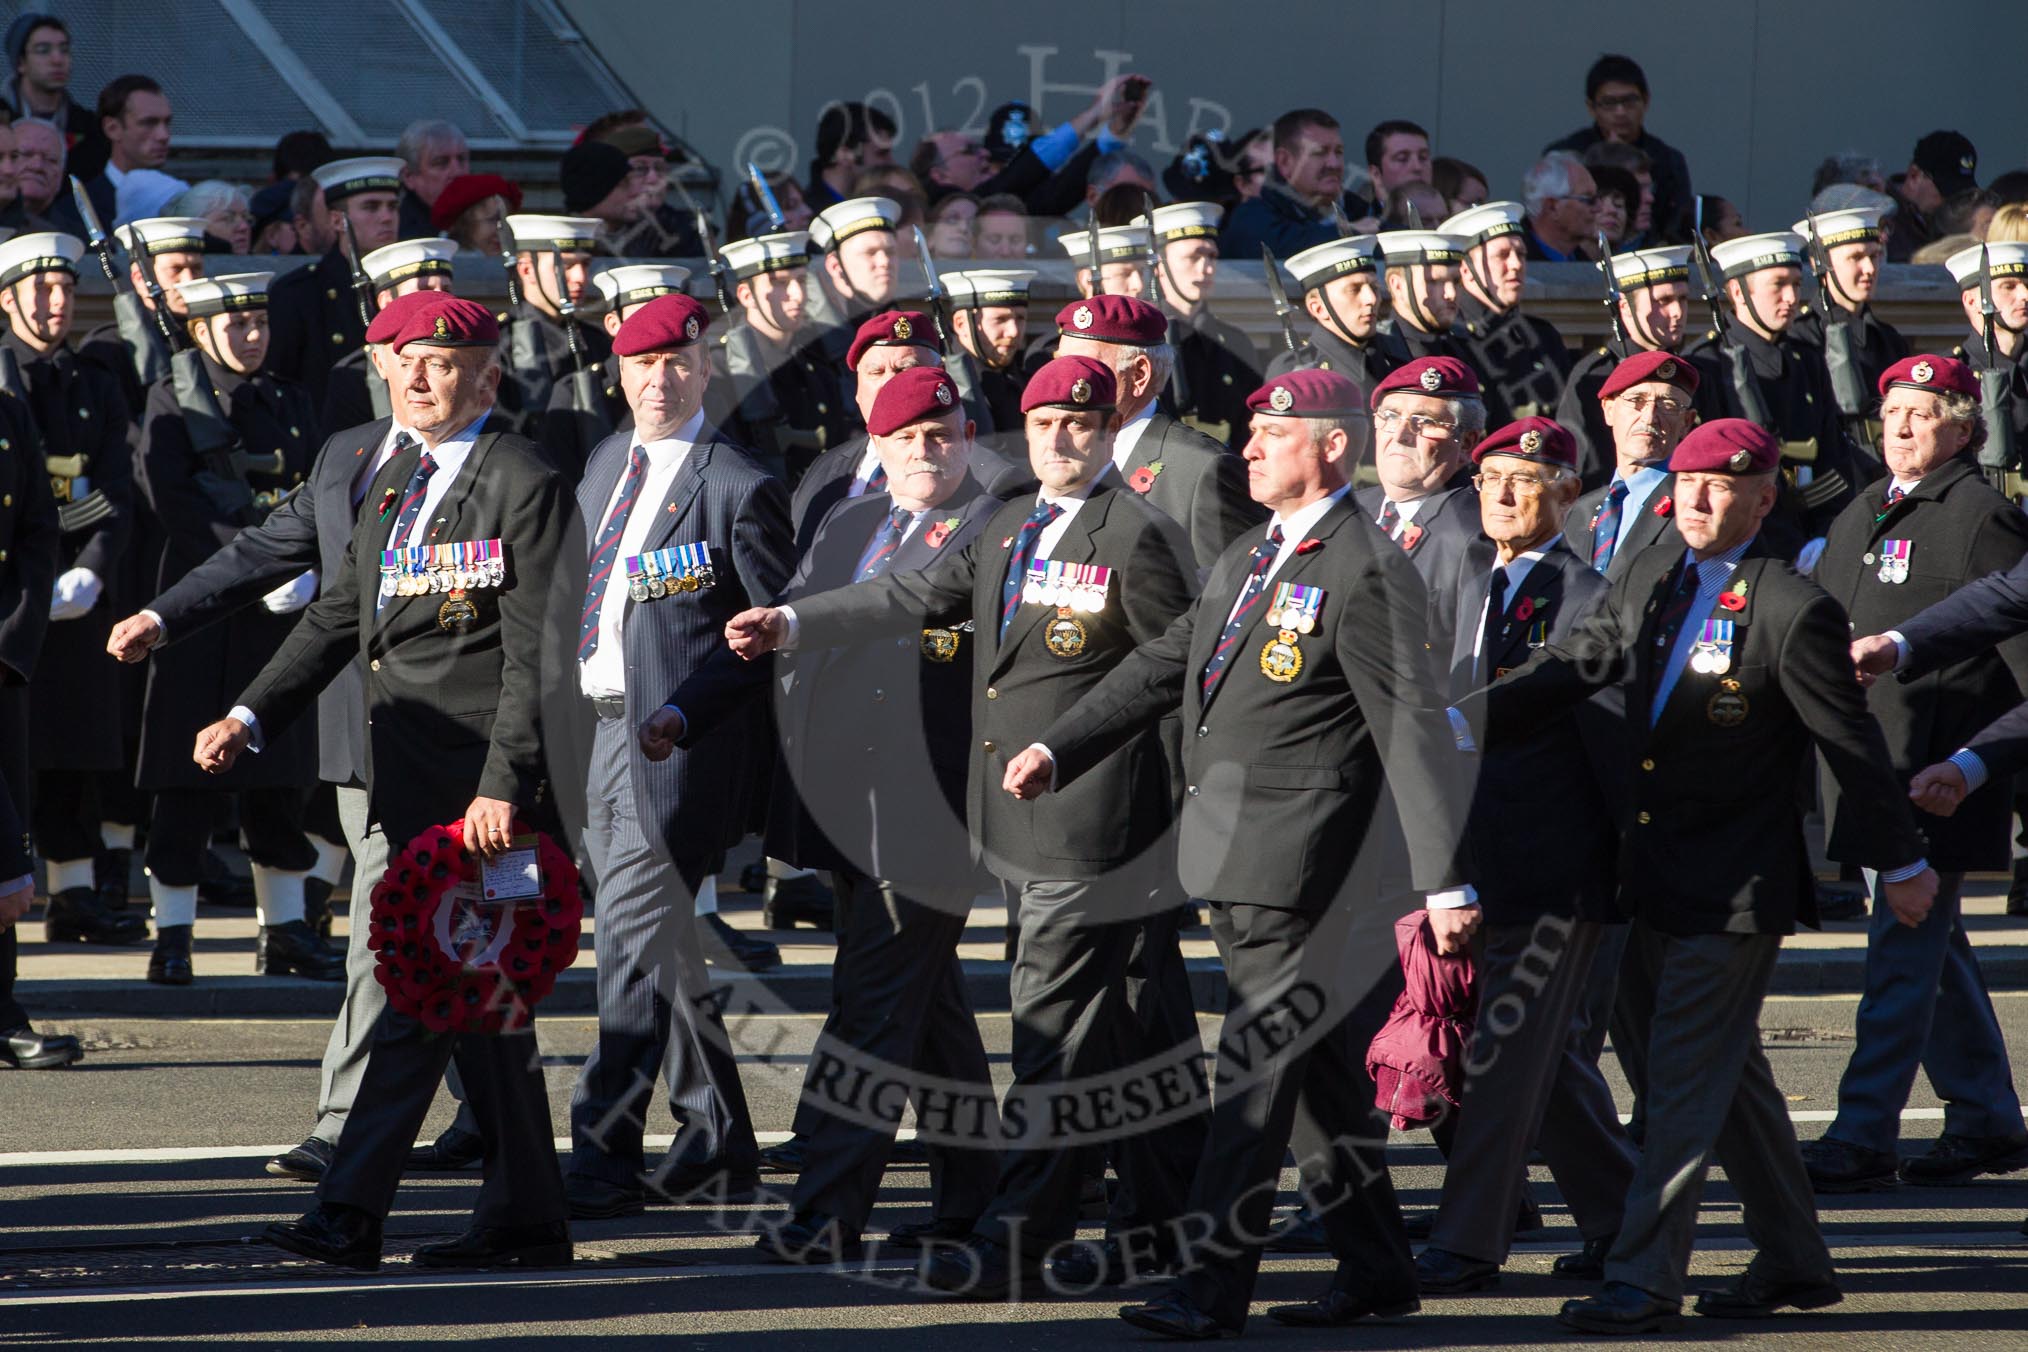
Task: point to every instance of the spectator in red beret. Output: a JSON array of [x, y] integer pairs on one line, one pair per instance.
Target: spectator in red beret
[[471, 207]]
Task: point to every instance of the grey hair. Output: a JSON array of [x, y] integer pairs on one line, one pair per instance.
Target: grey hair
[[1469, 413], [303, 197], [1548, 178], [1963, 408], [417, 137], [201, 199]]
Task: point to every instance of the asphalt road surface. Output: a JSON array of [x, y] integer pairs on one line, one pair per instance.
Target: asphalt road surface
[[130, 1188]]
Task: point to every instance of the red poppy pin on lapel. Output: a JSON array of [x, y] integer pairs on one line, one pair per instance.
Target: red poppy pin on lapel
[[1310, 546], [1411, 536], [1143, 479], [1666, 507], [939, 532]]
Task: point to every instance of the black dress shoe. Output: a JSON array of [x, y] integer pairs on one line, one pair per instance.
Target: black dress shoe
[[723, 943], [703, 1182], [77, 916], [785, 902], [501, 1246], [1619, 1309], [595, 1199], [983, 1269], [1173, 1316], [280, 950], [1303, 1232], [942, 1230], [786, 1157], [1587, 1264], [1960, 1159], [1837, 1166], [1843, 902], [317, 907], [1085, 1267], [169, 964], [1443, 1273], [1752, 1297], [307, 1161], [342, 1236], [25, 1049], [808, 1237], [454, 1151], [1338, 1307]]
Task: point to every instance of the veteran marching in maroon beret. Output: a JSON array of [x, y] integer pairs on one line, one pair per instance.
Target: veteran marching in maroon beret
[[1644, 367], [1542, 440], [1071, 382], [444, 320], [1307, 394], [892, 328], [1727, 446], [666, 321], [1937, 375]]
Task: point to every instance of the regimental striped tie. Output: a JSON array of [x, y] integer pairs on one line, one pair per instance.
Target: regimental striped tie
[[885, 541], [1024, 553], [1390, 519], [1895, 494], [411, 508], [1249, 597], [607, 554], [876, 482], [1605, 532]]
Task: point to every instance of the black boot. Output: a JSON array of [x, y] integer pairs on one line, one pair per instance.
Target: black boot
[[2017, 895], [113, 869], [788, 901], [169, 964], [76, 915], [317, 906], [295, 947]]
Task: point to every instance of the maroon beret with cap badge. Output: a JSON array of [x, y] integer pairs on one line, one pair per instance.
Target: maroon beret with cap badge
[[441, 319], [1543, 440], [1070, 382], [1437, 377], [1938, 375], [1645, 367], [915, 394], [892, 328], [673, 320], [394, 314], [1727, 446], [1114, 319], [1307, 394]]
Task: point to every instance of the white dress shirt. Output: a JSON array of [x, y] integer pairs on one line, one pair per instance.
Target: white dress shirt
[[1516, 571], [862, 475], [1129, 436], [450, 455], [604, 674]]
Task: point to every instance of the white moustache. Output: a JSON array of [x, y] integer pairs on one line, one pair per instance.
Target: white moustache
[[937, 470]]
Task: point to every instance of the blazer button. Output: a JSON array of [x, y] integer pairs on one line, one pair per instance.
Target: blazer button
[[1647, 765], [1193, 790], [879, 695], [6, 500], [1642, 818], [1204, 732], [375, 664], [987, 747], [991, 693]]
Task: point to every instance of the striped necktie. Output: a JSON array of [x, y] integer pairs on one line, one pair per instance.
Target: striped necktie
[[606, 553], [1025, 541], [876, 482], [886, 540], [1605, 531], [1390, 519], [1242, 613], [1895, 494]]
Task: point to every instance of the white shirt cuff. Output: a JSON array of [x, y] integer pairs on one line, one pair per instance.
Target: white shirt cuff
[[1901, 649], [1461, 731], [1452, 898], [793, 631], [163, 629], [1037, 746], [1971, 767], [1904, 873], [253, 725]]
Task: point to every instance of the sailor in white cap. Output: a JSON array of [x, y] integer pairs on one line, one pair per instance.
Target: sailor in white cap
[[857, 275], [2001, 268], [631, 284], [314, 311], [175, 244], [779, 394], [1521, 360], [355, 392], [1846, 250], [1654, 312], [1340, 287], [1218, 363], [553, 272], [1758, 369], [1123, 258], [199, 499], [1422, 285]]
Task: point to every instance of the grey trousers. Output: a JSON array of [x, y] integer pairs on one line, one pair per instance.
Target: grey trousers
[[1530, 1081], [352, 1033], [1695, 1003]]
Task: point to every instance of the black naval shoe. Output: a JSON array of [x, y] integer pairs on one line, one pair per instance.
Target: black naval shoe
[[747, 951], [1750, 1297], [786, 1157], [307, 1161], [1619, 1308], [1443, 1273], [812, 1238], [1338, 1307], [281, 950], [1108, 1263], [789, 901], [452, 1152], [1837, 1166], [1173, 1316], [317, 907], [1303, 1232], [980, 1269], [169, 964], [25, 1049], [942, 1230], [595, 1199], [76, 915], [1587, 1264], [342, 1236], [501, 1246], [1960, 1159]]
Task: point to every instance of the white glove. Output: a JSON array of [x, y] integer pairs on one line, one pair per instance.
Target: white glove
[[1806, 562], [292, 595], [77, 591]]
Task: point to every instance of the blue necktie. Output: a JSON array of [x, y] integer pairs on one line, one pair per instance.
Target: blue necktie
[[411, 508], [1017, 563], [1605, 531], [886, 540], [607, 553], [1242, 613]]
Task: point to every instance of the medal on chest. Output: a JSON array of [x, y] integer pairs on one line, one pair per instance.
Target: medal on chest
[[1074, 589], [455, 567], [1711, 654], [1894, 555], [666, 572], [1295, 612], [1727, 708]]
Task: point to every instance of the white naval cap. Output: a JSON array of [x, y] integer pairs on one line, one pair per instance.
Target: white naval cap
[[1116, 244], [1321, 263], [2003, 258], [632, 283], [43, 251], [1488, 220], [1648, 267], [842, 220], [1406, 248], [406, 258], [234, 291], [989, 286], [1849, 226], [767, 253], [1182, 220], [163, 234], [554, 234], [341, 179], [1754, 253]]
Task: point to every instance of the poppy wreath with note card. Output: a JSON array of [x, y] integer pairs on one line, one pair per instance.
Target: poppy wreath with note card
[[511, 965]]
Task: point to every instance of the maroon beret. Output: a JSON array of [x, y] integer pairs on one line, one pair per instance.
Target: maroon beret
[[1542, 440], [1938, 375], [1437, 377], [445, 320], [1114, 319], [468, 190], [1727, 446], [394, 314], [1307, 394], [666, 321], [1643, 367], [892, 328], [912, 395], [1070, 382]]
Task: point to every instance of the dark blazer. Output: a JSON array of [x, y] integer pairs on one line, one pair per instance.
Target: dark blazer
[[1445, 526], [1284, 779], [1655, 523], [1019, 686], [876, 737], [29, 537], [823, 486], [699, 801], [314, 320], [17, 846], [1714, 843], [311, 529], [1196, 483], [1557, 776], [450, 716], [1973, 618]]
